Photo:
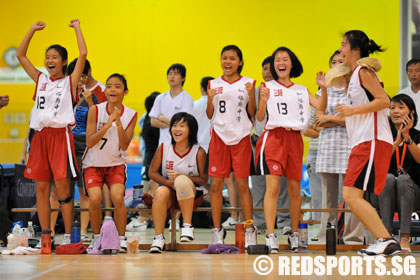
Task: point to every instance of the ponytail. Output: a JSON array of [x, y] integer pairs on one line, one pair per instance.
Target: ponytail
[[359, 40]]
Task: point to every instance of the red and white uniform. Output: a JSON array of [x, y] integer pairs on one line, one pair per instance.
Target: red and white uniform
[[279, 150], [172, 161], [99, 91], [52, 155], [287, 107], [53, 103], [370, 138], [230, 118], [107, 152]]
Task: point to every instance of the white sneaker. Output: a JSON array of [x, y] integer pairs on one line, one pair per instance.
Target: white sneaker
[[250, 236], [136, 226], [123, 244], [219, 235], [158, 244], [66, 239], [272, 242], [95, 239], [293, 240], [286, 230], [382, 247], [177, 224], [230, 223], [187, 233]]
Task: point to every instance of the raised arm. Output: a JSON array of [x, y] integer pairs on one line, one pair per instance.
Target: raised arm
[[250, 88], [124, 136], [210, 108], [320, 103], [262, 102], [23, 48], [80, 64], [93, 136]]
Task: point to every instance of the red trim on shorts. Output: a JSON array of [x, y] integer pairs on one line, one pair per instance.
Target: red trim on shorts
[[36, 86], [231, 83], [284, 84]]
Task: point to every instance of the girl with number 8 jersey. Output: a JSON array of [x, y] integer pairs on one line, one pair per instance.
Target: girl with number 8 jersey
[[230, 107]]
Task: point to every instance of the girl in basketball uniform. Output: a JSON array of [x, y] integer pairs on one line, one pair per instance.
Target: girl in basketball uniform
[[279, 150], [109, 130], [370, 139], [178, 168], [52, 157], [230, 107]]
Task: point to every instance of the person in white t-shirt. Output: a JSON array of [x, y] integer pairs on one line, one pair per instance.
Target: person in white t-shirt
[[413, 73], [199, 113], [171, 102]]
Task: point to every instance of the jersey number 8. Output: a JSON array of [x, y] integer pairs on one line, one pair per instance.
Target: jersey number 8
[[222, 106]]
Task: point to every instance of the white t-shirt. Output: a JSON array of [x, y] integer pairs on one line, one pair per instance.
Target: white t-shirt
[[204, 124], [288, 106], [365, 127], [168, 106], [230, 117], [416, 98], [107, 152], [53, 103]]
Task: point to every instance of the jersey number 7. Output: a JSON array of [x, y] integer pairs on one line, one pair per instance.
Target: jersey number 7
[[105, 140]]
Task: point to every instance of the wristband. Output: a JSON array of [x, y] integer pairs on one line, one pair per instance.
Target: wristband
[[409, 141]]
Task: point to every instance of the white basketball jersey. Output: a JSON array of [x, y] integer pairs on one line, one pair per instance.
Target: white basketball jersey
[[53, 103], [107, 152], [365, 127], [172, 161], [230, 118], [287, 107]]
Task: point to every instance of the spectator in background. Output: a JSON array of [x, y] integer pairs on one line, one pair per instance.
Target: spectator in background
[[4, 101], [413, 73]]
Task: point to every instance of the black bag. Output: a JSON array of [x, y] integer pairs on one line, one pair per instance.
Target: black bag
[[24, 195], [5, 222]]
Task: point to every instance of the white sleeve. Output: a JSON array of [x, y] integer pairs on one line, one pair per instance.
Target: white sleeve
[[189, 106], [155, 112]]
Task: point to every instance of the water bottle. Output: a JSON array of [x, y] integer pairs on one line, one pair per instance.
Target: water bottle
[[331, 245], [303, 236], [31, 230], [137, 195], [75, 232], [46, 242]]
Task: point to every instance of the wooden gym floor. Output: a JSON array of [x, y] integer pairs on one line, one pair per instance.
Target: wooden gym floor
[[168, 265]]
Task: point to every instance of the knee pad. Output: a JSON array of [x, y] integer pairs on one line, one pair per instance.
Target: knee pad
[[184, 188], [65, 200]]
